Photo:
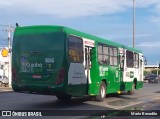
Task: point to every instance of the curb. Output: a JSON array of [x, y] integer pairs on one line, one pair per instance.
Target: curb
[[5, 89]]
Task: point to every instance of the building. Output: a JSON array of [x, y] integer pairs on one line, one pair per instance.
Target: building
[[150, 68], [4, 64]]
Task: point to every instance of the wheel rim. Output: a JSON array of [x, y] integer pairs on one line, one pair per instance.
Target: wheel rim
[[103, 92]]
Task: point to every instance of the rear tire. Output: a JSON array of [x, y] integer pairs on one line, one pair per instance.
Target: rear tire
[[102, 93]]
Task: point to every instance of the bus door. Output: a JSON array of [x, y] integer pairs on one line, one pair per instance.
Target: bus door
[[141, 67], [89, 44], [114, 70], [121, 59], [87, 63]]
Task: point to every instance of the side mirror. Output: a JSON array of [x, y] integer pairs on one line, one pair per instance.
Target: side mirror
[[145, 61]]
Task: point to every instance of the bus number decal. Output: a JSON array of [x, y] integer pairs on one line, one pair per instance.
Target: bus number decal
[[127, 74], [49, 60], [76, 74], [103, 70]]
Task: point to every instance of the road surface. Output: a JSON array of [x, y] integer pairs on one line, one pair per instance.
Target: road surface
[[147, 98]]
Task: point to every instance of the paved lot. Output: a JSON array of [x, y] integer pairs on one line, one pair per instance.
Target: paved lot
[[149, 93], [147, 98]]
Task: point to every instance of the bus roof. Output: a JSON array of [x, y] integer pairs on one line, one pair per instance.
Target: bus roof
[[45, 28]]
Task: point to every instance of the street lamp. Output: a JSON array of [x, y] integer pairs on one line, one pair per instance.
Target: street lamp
[[133, 23]]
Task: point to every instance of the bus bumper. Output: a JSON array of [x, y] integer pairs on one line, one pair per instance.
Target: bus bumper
[[38, 88]]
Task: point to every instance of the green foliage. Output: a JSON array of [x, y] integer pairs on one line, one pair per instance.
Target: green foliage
[[145, 72], [155, 71]]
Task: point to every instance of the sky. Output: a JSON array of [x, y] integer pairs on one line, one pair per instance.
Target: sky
[[109, 19]]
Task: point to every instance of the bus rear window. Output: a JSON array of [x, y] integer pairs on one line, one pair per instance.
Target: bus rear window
[[75, 49]]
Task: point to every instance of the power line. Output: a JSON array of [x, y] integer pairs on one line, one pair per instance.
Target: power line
[[3, 25], [6, 25], [7, 28]]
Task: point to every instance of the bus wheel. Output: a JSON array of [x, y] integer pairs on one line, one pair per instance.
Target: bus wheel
[[133, 89], [102, 93], [64, 98]]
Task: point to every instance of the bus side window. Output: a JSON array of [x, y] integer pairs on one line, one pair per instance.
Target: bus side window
[[75, 49], [136, 60], [103, 54], [113, 52], [129, 58]]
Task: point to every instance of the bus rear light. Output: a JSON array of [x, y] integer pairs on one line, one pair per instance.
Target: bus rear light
[[60, 77]]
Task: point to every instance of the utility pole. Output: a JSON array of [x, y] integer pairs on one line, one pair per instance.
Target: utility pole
[[9, 29], [133, 23], [157, 67]]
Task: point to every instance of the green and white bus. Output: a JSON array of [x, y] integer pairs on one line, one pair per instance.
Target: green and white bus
[[64, 62]]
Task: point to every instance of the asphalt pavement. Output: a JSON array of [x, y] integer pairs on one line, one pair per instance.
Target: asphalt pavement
[[148, 98]]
